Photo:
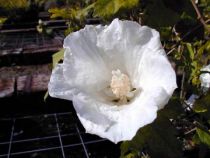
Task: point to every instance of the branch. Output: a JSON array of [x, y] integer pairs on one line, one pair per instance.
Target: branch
[[199, 16], [182, 86]]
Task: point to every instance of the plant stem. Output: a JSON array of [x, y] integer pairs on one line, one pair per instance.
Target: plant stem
[[182, 86], [199, 16]]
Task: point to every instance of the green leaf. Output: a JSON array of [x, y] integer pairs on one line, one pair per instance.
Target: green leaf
[[159, 138], [204, 48], [13, 4], [131, 155], [82, 13], [65, 13], [200, 109], [165, 33], [57, 57], [203, 136], [196, 138], [202, 104], [2, 20], [107, 8], [173, 108], [190, 50], [46, 96]]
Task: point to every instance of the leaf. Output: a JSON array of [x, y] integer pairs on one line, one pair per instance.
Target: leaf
[[203, 136], [159, 138], [131, 155], [190, 50], [204, 48], [173, 108], [165, 33], [2, 20], [202, 104], [196, 139], [14, 4], [82, 13], [57, 57], [46, 96], [107, 8], [65, 13]]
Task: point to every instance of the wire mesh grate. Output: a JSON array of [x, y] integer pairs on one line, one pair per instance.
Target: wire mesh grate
[[27, 40], [57, 135]]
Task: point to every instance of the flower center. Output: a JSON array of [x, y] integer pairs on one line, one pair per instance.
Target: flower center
[[121, 86]]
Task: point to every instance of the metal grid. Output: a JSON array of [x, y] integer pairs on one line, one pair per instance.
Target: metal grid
[[57, 135], [29, 39]]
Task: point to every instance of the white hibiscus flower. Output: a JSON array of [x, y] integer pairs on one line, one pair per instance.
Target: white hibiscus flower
[[117, 76]]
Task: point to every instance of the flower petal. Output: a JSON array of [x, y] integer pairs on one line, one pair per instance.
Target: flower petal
[[113, 122], [58, 86], [126, 34], [83, 66], [157, 76], [205, 77], [123, 41]]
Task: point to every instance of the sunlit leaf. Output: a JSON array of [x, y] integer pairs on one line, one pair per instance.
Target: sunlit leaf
[[106, 8], [203, 136], [204, 48], [14, 4], [57, 57], [2, 20], [46, 96], [82, 13], [65, 13], [190, 50]]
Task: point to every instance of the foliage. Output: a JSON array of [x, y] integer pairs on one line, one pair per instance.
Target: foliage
[[184, 31], [11, 4], [65, 13], [57, 57], [2, 20], [105, 8], [70, 14], [202, 104], [203, 136]]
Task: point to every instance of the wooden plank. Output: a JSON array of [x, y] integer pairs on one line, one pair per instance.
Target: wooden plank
[[7, 87], [40, 82], [34, 83], [42, 49], [16, 71]]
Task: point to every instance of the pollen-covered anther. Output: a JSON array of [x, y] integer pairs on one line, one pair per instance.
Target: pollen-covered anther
[[120, 85]]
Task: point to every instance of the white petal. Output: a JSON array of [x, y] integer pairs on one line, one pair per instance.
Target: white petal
[[83, 66], [127, 34], [113, 122], [122, 42], [205, 77], [156, 75], [58, 86]]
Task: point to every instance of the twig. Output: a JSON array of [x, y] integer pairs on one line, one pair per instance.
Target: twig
[[199, 16], [182, 86], [199, 125], [190, 131], [169, 52], [184, 36]]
